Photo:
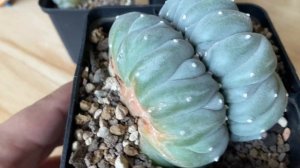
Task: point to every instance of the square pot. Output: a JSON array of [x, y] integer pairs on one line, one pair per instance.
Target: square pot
[[70, 24], [105, 16]]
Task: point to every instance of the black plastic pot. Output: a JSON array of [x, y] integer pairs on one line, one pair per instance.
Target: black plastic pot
[[104, 17], [70, 24]]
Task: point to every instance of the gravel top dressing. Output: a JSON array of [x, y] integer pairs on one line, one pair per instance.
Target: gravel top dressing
[[107, 135]]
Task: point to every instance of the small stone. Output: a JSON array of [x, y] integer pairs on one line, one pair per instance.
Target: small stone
[[103, 45], [99, 76], [94, 107], [110, 158], [103, 146], [103, 132], [100, 93], [87, 135], [103, 164], [85, 73], [286, 148], [82, 119], [111, 84], [93, 166], [84, 105], [137, 142], [273, 148], [97, 114], [121, 112], [125, 143], [87, 159], [280, 149], [96, 35], [282, 165], [88, 141], [78, 134], [119, 147], [111, 140], [130, 151], [89, 87], [121, 162], [273, 163], [102, 123], [279, 140], [134, 136], [107, 113], [281, 157], [282, 122], [103, 100], [253, 153], [117, 129], [75, 145], [93, 126], [132, 128], [286, 134], [94, 145], [113, 122]]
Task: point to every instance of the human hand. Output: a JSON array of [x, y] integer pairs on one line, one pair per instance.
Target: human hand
[[27, 138]]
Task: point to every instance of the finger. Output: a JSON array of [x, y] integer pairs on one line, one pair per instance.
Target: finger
[[51, 163], [30, 135]]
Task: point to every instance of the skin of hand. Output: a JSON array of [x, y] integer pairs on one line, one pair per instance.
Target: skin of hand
[[28, 137]]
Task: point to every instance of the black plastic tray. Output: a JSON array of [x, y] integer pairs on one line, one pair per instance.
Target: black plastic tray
[[105, 16]]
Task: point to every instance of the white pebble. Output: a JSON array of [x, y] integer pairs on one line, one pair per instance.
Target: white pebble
[[132, 128], [78, 134], [87, 135], [88, 141], [75, 145], [89, 87], [103, 132], [121, 112], [137, 142], [97, 114], [134, 136], [125, 143], [282, 122], [111, 84]]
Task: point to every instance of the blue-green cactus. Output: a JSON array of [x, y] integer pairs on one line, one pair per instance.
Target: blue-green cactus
[[242, 61], [181, 112]]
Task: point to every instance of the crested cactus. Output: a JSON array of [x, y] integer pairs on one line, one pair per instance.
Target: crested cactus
[[181, 113], [244, 62]]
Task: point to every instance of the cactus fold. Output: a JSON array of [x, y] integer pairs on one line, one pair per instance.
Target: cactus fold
[[244, 62], [181, 113]]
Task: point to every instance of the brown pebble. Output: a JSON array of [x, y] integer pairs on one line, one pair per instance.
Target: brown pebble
[[279, 140], [82, 119], [84, 105], [130, 151], [286, 134], [107, 113], [117, 129]]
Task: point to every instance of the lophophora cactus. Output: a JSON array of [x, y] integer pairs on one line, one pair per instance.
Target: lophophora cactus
[[181, 113], [243, 62]]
